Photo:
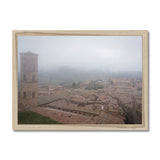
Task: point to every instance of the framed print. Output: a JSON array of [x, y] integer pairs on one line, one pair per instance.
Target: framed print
[[80, 80]]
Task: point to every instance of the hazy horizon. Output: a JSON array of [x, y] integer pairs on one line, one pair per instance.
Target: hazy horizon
[[106, 53]]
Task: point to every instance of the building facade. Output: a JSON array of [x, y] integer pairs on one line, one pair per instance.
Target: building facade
[[28, 80]]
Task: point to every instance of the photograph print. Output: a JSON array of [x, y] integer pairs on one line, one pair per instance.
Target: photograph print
[[80, 80]]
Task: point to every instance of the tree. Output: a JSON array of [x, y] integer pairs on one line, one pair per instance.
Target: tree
[[131, 114], [74, 84]]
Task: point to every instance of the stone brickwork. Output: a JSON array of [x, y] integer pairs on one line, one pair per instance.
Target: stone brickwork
[[28, 80]]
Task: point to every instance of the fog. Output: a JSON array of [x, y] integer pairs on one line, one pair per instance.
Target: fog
[[105, 53]]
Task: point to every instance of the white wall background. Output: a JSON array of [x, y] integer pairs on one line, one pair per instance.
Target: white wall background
[[78, 15]]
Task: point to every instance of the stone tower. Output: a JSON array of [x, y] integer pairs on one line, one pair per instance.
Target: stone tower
[[28, 80]]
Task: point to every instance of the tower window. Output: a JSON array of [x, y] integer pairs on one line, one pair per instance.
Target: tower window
[[24, 67], [24, 94], [33, 67], [33, 94], [24, 77], [33, 78]]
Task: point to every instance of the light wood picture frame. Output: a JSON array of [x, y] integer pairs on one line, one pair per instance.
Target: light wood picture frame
[[145, 73]]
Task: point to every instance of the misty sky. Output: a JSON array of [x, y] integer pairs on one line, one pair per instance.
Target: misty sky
[[118, 53]]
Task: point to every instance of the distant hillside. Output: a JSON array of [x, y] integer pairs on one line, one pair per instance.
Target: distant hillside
[[68, 75]]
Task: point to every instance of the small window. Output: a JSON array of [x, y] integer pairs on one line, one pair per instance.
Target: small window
[[33, 78], [24, 67], [33, 67], [24, 77], [33, 94], [24, 94]]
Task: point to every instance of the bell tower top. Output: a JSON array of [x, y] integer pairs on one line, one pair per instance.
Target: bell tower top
[[29, 66], [28, 53]]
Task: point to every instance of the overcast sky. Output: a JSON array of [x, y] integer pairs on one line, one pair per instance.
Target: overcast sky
[[118, 53]]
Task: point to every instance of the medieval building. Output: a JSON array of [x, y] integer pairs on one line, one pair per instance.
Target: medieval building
[[28, 80]]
